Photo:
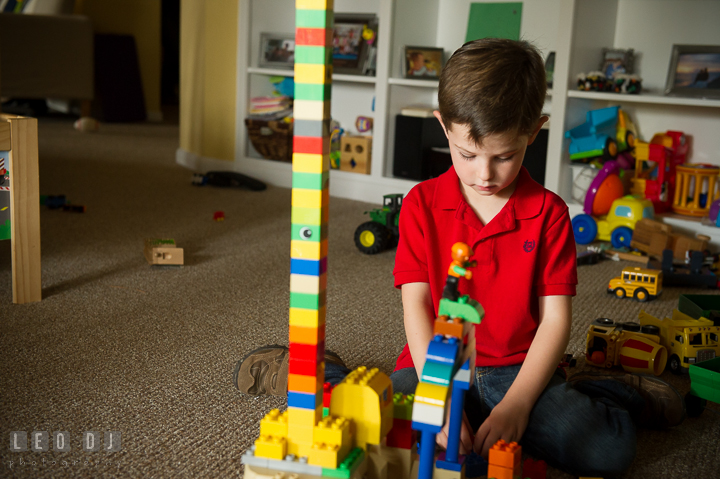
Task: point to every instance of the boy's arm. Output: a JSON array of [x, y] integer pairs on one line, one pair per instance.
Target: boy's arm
[[509, 418], [418, 315]]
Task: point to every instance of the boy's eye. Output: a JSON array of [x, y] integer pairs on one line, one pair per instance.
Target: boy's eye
[[467, 157]]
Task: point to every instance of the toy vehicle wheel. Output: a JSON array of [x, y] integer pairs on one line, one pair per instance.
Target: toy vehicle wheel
[[694, 405], [610, 152], [630, 140], [650, 329], [621, 236], [641, 295], [675, 364], [604, 322], [371, 237], [619, 293], [584, 229]]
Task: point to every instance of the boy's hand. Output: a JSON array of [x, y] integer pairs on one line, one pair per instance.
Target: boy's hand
[[507, 422], [466, 437]]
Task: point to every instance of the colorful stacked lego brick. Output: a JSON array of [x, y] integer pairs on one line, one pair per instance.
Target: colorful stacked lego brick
[[310, 195], [504, 460]]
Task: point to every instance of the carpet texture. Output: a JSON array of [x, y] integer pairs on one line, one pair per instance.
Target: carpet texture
[[118, 345]]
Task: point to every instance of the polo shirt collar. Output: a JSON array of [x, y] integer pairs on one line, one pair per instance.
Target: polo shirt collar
[[526, 202]]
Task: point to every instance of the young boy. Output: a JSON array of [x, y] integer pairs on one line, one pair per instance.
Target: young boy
[[491, 95]]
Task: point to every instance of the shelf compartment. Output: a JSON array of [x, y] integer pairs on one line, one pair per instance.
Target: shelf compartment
[[644, 98]]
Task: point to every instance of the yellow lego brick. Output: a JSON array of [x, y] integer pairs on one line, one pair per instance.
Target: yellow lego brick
[[299, 448], [274, 424], [310, 163], [325, 455], [304, 283], [299, 433], [332, 430], [307, 317], [432, 394], [308, 250], [313, 74], [271, 447], [311, 110], [302, 198], [448, 474], [315, 4], [304, 417]]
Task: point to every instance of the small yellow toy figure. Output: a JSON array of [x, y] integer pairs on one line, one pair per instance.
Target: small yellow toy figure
[[461, 254]]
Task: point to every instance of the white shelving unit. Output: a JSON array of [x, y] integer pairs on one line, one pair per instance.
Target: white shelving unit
[[650, 27], [576, 30], [433, 23]]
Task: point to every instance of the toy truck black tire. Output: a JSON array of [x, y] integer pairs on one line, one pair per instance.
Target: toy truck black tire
[[372, 237]]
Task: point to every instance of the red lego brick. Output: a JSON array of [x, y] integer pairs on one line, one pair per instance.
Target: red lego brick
[[313, 36], [402, 434], [306, 367], [327, 394], [307, 352], [311, 144], [533, 469]]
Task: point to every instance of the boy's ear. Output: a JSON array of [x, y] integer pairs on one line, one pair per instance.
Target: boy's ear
[[437, 115], [539, 125]]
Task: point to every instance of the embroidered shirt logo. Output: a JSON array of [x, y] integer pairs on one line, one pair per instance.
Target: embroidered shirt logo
[[529, 245]]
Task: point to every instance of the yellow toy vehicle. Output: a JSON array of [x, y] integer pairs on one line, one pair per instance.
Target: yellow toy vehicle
[[634, 347], [617, 226], [639, 283], [687, 340]]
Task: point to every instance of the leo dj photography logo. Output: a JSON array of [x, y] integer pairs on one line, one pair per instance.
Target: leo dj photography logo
[[109, 441]]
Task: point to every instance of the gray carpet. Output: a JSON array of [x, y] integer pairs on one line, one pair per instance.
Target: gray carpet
[[117, 345]]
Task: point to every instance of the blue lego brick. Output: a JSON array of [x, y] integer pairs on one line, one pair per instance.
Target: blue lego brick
[[420, 426], [304, 400], [475, 466], [442, 351], [308, 266], [441, 463], [437, 373]]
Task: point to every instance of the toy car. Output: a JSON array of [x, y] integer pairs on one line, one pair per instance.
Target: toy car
[[606, 132], [617, 226]]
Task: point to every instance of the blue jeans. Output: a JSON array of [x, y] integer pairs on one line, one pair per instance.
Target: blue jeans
[[586, 429]]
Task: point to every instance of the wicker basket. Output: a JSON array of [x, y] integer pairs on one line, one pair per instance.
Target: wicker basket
[[272, 139]]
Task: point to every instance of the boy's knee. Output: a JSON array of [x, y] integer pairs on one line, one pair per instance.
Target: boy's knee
[[614, 457]]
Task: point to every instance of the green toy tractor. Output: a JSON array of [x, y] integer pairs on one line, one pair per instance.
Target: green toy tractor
[[382, 232]]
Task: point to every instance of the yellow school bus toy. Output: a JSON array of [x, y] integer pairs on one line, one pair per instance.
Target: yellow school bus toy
[[639, 283]]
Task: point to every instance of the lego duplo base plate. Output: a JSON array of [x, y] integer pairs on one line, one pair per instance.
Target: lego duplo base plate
[[257, 472]]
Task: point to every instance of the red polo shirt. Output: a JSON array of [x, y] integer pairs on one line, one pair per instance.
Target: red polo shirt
[[526, 251]]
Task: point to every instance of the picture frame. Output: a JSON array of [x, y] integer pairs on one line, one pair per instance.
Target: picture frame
[[550, 69], [277, 50], [694, 71], [616, 60], [422, 62], [350, 47]]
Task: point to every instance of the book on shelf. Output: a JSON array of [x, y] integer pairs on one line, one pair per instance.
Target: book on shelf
[[420, 111]]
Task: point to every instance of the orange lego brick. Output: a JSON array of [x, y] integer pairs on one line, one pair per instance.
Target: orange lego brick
[[448, 327], [505, 454], [311, 144], [313, 36], [302, 383], [499, 472], [306, 335]]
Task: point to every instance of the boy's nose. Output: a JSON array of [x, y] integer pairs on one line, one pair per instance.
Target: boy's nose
[[485, 172]]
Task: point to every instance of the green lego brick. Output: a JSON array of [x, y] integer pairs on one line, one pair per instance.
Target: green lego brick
[[314, 18], [326, 411], [310, 181], [465, 307], [310, 216], [437, 373], [313, 91], [586, 154], [402, 406], [309, 232], [315, 55], [348, 466], [307, 301]]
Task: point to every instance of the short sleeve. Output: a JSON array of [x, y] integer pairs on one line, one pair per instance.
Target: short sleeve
[[411, 256], [556, 274]]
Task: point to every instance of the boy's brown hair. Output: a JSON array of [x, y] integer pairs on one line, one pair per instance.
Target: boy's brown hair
[[493, 85]]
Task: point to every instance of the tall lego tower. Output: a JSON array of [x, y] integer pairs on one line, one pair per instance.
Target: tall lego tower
[[310, 196]]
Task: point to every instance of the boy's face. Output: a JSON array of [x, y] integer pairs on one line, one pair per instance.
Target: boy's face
[[491, 168]]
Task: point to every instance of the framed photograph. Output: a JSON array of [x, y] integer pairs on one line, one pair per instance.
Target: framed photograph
[[277, 50], [694, 71], [351, 37], [422, 62], [616, 61], [550, 69]]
